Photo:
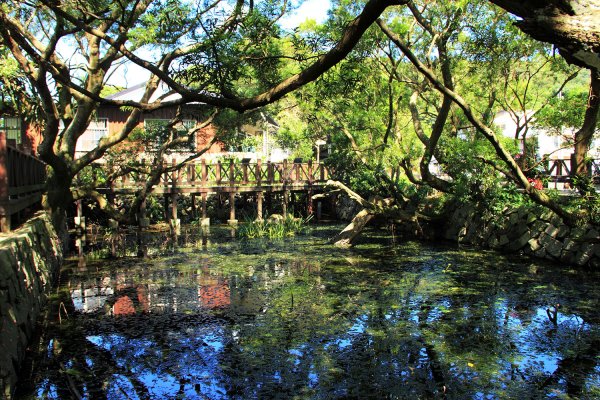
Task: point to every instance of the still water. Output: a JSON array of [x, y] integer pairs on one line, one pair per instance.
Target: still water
[[297, 318]]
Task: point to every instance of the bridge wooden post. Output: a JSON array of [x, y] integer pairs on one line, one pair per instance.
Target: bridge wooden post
[[205, 221], [319, 210], [232, 220], [143, 223], [259, 206], [4, 212], [269, 201], [80, 228], [309, 200], [175, 223], [193, 206], [284, 205]]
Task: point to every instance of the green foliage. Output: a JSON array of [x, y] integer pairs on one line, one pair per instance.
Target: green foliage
[[564, 111], [277, 229]]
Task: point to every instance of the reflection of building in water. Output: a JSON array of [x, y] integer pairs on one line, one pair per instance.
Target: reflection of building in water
[[213, 291], [90, 298], [172, 290], [125, 305]]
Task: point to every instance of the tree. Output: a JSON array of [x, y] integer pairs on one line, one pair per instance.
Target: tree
[[398, 105], [220, 41], [512, 169]]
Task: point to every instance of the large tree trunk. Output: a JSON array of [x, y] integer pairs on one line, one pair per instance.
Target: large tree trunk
[[584, 136], [573, 26], [57, 201]]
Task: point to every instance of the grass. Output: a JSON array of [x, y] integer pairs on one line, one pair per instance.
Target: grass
[[288, 227]]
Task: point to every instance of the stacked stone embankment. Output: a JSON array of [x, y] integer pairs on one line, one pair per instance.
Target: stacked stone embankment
[[29, 259], [529, 230]]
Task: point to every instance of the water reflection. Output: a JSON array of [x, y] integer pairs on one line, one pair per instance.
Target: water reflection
[[299, 319]]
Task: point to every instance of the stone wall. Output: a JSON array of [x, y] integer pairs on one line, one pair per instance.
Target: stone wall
[[29, 259], [532, 231]]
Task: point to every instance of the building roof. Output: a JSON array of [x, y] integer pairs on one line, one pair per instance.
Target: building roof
[[135, 93]]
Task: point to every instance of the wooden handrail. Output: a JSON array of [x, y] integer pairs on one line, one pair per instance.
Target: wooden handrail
[[202, 175], [22, 181]]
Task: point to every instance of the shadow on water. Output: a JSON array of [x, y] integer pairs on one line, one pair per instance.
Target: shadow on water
[[210, 317]]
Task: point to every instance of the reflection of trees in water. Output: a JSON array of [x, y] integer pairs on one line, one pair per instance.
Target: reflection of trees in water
[[377, 328]]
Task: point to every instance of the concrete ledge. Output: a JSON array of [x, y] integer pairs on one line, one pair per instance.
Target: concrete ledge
[[29, 259]]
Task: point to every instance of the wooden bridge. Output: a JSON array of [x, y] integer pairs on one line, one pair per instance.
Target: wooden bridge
[[22, 181], [200, 178]]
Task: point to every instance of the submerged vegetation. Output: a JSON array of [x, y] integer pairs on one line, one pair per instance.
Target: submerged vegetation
[[263, 319]]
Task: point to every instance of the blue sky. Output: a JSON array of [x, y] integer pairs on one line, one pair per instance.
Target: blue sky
[[131, 74], [315, 9]]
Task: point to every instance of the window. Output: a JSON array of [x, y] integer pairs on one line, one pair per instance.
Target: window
[[157, 130], [12, 126], [97, 129]]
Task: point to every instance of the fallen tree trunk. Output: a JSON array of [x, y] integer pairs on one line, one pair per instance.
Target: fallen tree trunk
[[376, 207], [356, 226]]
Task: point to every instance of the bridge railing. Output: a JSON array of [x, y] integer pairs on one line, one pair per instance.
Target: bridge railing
[[205, 175], [22, 181], [562, 170]]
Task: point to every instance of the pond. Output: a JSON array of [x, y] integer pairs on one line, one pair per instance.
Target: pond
[[298, 318]]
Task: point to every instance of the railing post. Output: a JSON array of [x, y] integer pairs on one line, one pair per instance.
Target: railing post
[[231, 173], [244, 173], [284, 174], [218, 172], [4, 216], [191, 172], [176, 173], [270, 174], [204, 172], [258, 172], [310, 172], [296, 172]]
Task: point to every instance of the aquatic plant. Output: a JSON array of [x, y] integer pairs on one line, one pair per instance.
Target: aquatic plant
[[273, 229]]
